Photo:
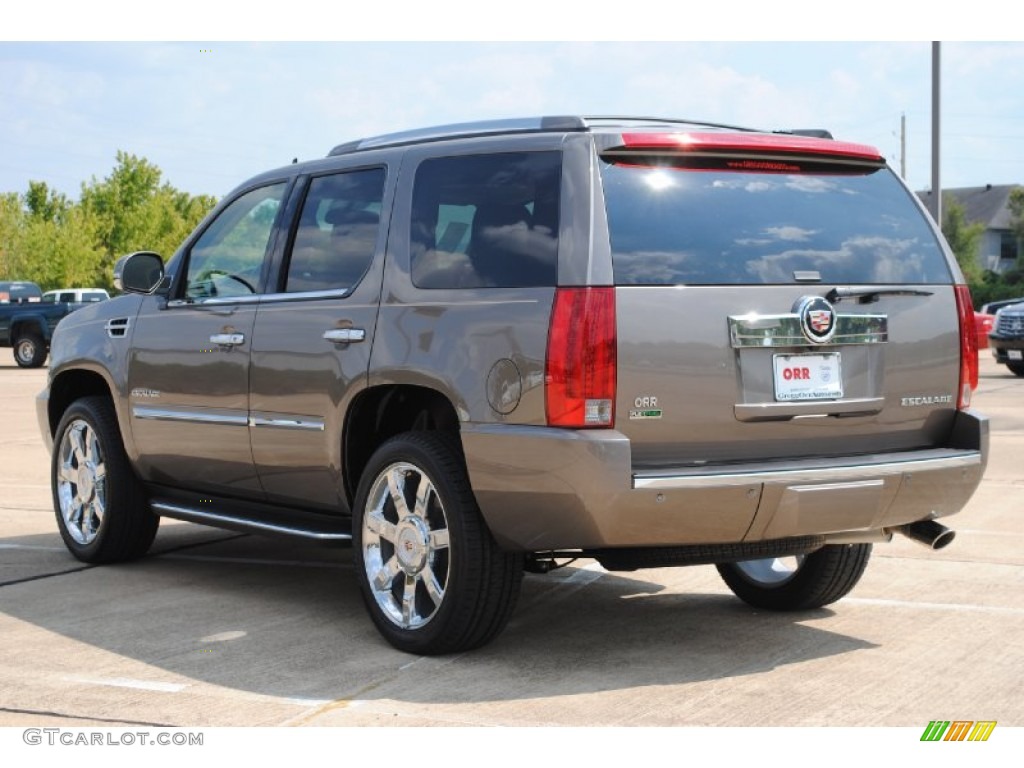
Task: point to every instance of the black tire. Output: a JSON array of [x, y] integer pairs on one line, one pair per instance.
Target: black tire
[[29, 350], [1016, 369], [101, 507], [816, 579], [433, 579]]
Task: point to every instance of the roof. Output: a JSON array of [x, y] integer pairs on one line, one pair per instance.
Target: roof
[[987, 204]]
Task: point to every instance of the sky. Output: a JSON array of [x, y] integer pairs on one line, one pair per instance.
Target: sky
[[211, 113]]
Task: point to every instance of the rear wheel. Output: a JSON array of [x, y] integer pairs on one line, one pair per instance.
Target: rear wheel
[[1016, 368], [431, 575], [29, 350], [798, 583], [101, 509]]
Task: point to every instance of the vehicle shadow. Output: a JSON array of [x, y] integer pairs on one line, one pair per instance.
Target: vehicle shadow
[[251, 614]]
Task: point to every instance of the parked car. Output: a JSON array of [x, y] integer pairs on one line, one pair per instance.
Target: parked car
[[27, 322], [76, 295], [478, 349], [1007, 337], [994, 306]]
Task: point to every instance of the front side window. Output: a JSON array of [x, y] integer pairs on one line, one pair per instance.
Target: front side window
[[486, 221], [337, 232], [227, 259]]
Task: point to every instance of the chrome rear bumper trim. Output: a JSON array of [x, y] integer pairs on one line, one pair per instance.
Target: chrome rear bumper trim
[[697, 479]]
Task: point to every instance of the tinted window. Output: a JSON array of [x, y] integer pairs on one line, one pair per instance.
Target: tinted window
[[486, 221], [712, 227], [18, 293], [337, 232], [227, 258]]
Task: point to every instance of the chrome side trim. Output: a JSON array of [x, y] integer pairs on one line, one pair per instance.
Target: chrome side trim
[[215, 302], [755, 330], [340, 293], [807, 474], [313, 425], [215, 519], [166, 414]]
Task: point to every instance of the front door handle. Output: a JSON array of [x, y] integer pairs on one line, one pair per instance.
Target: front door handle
[[345, 335], [227, 339]]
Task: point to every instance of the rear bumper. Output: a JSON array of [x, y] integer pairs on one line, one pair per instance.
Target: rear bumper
[[541, 488]]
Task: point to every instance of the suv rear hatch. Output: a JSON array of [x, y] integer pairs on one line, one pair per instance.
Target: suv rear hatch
[[777, 298]]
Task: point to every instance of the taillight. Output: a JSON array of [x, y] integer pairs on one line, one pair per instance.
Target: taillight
[[581, 369], [968, 347]]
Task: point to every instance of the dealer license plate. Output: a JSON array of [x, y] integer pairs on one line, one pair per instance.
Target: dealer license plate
[[1015, 354], [808, 377]]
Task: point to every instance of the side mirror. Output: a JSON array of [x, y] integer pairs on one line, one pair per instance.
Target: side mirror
[[140, 272]]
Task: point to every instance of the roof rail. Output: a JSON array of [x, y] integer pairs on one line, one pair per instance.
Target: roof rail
[[813, 133], [539, 125], [464, 130], [635, 122]]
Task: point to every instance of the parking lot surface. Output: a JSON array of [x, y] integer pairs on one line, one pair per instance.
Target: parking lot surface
[[216, 628]]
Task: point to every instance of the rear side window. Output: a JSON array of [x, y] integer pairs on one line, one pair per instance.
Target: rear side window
[[673, 226], [486, 221], [337, 233]]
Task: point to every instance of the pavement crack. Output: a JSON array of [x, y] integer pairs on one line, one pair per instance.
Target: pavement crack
[[42, 576], [67, 716]]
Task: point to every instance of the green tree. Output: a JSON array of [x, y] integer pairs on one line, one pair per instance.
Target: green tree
[[963, 238], [44, 204], [47, 238]]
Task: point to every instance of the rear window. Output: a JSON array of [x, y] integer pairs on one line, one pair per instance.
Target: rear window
[[673, 226], [486, 221], [17, 293]]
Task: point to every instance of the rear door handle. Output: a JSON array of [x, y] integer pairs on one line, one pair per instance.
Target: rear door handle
[[345, 335], [227, 339]]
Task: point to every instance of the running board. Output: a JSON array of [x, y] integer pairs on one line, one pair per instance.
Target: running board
[[302, 525]]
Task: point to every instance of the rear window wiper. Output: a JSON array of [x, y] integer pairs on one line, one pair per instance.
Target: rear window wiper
[[867, 294]]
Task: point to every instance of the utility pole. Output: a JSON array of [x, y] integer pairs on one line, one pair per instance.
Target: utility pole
[[936, 199], [903, 145]]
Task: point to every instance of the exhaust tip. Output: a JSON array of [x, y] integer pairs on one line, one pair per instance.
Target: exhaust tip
[[931, 534]]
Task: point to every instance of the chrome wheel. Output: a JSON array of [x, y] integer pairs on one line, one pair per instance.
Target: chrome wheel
[[405, 545], [81, 482], [772, 572]]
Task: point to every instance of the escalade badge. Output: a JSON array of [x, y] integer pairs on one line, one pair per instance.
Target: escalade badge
[[817, 319]]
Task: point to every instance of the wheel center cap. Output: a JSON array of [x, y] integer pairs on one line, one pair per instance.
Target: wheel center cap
[[86, 481], [412, 544]]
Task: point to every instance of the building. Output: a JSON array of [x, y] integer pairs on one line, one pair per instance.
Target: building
[[988, 204]]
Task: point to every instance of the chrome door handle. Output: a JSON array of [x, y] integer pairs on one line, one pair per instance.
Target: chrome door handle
[[345, 335], [227, 339]]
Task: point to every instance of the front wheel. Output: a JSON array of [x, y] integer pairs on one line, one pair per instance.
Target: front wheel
[[1016, 369], [431, 575], [102, 512], [798, 583], [29, 350]]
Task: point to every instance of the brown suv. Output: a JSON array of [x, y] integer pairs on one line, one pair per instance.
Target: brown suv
[[479, 349]]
